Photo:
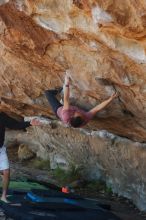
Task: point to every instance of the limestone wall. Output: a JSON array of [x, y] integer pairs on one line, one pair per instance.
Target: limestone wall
[[102, 44]]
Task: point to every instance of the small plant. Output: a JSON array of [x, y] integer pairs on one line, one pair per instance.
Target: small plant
[[108, 190], [96, 185], [99, 186], [60, 174], [74, 173], [67, 176], [41, 164]]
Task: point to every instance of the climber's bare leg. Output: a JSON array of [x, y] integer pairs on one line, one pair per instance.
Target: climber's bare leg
[[5, 184]]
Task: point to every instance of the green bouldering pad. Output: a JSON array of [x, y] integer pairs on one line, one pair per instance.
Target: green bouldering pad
[[24, 185]]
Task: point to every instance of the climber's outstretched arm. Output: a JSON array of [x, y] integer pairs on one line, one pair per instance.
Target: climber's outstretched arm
[[66, 93], [102, 105]]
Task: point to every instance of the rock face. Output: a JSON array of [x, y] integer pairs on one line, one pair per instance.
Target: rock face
[[102, 44], [24, 153], [118, 161]]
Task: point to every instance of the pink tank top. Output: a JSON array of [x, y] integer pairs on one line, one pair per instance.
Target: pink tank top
[[66, 115]]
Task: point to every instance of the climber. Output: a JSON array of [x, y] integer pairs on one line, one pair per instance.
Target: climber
[[72, 115], [8, 122]]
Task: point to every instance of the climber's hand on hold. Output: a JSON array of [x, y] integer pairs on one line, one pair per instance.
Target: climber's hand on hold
[[67, 80], [66, 91], [67, 77], [102, 105]]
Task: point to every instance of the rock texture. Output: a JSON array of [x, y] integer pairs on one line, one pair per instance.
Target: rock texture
[[24, 153], [119, 162], [102, 43]]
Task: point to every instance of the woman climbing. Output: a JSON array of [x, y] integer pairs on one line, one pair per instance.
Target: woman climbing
[[72, 115]]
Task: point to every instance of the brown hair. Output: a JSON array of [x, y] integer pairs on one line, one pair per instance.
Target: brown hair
[[76, 121]]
